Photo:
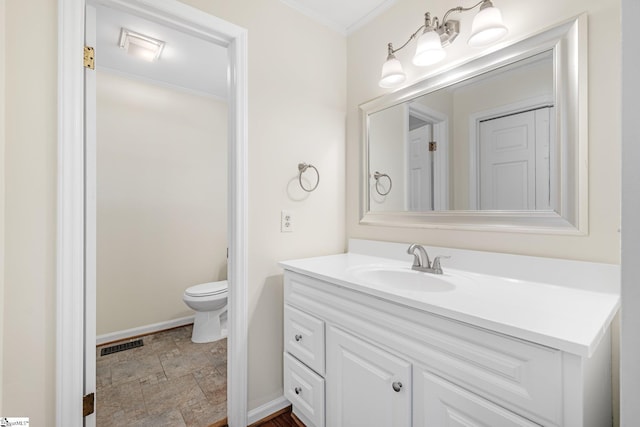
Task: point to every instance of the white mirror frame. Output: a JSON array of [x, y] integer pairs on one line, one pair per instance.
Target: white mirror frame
[[569, 44]]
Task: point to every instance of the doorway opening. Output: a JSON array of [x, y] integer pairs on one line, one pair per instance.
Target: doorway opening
[[427, 154], [159, 163], [76, 328]]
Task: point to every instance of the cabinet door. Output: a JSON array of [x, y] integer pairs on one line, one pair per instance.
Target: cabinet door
[[437, 402], [366, 385]]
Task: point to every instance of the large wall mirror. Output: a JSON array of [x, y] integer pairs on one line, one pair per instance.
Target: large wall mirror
[[497, 143]]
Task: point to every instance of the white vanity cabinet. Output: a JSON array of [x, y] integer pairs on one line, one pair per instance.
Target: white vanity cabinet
[[354, 359]]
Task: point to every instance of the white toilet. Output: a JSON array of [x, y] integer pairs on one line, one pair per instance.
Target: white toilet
[[209, 300]]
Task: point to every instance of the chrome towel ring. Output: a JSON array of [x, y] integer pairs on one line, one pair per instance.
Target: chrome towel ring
[[377, 175], [302, 168]]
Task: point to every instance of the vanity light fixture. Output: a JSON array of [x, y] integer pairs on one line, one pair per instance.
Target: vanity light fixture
[[139, 45], [486, 28]]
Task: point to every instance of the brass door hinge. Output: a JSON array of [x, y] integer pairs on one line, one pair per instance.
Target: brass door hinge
[[433, 146], [89, 55], [88, 404]]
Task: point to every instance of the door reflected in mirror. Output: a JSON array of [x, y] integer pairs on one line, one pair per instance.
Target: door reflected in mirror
[[485, 143]]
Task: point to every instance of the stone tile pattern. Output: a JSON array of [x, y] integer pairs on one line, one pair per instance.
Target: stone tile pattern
[[170, 381]]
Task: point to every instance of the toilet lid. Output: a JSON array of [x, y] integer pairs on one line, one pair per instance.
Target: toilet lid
[[206, 289]]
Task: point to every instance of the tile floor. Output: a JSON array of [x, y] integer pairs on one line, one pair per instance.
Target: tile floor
[[169, 381]]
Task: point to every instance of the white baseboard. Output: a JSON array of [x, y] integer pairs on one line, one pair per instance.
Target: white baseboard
[[143, 330], [267, 409]]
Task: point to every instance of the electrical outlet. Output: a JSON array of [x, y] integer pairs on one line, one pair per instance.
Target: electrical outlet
[[286, 221]]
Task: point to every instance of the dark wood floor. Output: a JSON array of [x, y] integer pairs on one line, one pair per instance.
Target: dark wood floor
[[283, 418]]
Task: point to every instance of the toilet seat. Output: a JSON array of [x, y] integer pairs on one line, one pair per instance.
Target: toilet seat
[[207, 289]]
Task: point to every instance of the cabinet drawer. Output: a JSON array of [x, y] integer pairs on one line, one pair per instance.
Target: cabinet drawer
[[437, 402], [304, 338], [305, 390]]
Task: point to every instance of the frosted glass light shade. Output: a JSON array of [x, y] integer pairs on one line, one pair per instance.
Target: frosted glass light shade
[[429, 49], [392, 73], [487, 27]]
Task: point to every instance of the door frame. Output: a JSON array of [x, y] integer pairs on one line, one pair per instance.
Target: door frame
[[70, 276], [440, 124]]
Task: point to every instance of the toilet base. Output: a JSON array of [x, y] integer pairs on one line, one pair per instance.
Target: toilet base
[[209, 326]]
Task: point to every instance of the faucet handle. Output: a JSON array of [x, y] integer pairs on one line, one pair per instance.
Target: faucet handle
[[436, 263]]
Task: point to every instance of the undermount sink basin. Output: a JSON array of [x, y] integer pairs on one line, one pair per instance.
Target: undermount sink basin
[[401, 278]]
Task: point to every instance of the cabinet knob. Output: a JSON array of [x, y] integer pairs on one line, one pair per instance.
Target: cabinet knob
[[397, 386], [298, 337], [298, 390]]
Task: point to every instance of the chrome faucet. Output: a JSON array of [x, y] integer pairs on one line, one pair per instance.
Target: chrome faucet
[[421, 260]]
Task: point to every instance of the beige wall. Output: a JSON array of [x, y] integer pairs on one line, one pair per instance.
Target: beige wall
[[161, 199], [297, 107], [30, 211], [366, 52]]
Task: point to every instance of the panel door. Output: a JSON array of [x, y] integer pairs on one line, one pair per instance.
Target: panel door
[[514, 161], [420, 170], [437, 402], [366, 385]]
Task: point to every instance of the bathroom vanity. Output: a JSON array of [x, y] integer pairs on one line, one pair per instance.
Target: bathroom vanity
[[370, 342]]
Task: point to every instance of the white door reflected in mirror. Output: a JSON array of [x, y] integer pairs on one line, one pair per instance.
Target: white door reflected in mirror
[[514, 161]]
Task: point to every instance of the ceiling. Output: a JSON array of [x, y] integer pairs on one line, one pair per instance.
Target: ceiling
[[344, 16], [190, 63], [187, 62]]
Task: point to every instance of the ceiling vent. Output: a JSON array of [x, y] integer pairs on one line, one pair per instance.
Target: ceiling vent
[[139, 45]]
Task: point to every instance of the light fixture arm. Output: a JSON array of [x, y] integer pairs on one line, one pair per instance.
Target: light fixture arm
[[448, 30], [462, 9], [411, 37]]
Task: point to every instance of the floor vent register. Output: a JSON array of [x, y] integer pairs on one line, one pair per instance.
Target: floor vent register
[[121, 347]]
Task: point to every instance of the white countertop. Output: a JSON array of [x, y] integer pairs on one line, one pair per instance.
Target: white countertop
[[569, 319]]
